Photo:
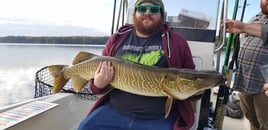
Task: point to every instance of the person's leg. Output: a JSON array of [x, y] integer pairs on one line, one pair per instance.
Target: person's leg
[[247, 106], [154, 124], [261, 108], [105, 118]]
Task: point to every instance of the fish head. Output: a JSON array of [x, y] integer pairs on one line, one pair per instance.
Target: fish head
[[209, 80], [189, 82]]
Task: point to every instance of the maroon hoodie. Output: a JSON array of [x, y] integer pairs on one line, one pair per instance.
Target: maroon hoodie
[[178, 55]]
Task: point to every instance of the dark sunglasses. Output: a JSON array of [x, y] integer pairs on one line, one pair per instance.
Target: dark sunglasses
[[143, 8]]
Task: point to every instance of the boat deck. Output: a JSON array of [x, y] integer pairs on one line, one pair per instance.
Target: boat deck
[[71, 110], [235, 124]]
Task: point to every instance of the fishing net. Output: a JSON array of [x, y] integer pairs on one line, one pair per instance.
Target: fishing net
[[43, 86]]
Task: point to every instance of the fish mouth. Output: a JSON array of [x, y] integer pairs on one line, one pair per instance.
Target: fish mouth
[[214, 81], [220, 81]]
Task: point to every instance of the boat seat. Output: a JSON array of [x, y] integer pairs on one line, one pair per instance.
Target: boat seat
[[199, 62]]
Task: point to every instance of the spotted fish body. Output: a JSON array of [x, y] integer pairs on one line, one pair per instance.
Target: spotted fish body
[[136, 78]]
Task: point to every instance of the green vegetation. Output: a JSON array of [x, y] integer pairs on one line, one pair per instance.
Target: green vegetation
[[92, 40]]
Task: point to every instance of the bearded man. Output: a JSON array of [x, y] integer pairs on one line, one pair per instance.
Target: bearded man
[[252, 56], [151, 42]]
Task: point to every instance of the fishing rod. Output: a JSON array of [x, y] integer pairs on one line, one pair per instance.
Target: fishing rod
[[237, 42], [223, 92], [225, 89]]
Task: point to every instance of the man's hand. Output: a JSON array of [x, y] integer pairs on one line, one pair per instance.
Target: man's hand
[[237, 27], [265, 87], [233, 26], [104, 74]]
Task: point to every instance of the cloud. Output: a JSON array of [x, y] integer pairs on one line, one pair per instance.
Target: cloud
[[87, 13]]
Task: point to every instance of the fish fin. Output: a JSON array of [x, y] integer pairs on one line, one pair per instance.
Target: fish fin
[[168, 106], [59, 80], [82, 56], [78, 83], [177, 95]]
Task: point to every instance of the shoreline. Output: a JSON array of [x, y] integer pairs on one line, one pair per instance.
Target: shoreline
[[53, 44]]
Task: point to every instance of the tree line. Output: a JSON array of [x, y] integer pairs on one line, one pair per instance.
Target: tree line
[[92, 40]]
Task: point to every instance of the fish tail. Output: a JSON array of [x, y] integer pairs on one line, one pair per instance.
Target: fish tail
[[59, 80]]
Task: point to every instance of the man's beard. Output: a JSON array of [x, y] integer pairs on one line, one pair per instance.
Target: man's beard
[[146, 30]]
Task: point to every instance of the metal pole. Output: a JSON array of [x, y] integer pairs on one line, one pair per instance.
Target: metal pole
[[112, 30]]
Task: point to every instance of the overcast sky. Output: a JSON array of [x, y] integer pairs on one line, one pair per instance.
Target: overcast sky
[[91, 13], [96, 13]]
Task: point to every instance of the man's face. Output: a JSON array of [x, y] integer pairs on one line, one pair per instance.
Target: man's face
[[264, 6], [147, 23]]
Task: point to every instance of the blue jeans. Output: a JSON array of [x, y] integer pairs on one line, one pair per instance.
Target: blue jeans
[[106, 118]]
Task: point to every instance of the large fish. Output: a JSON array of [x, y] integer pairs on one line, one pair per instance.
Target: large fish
[[135, 78]]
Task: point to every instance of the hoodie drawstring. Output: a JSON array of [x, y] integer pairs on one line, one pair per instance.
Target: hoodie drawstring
[[168, 44]]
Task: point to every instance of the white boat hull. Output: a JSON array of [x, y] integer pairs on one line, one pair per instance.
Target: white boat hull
[[66, 116], [72, 110]]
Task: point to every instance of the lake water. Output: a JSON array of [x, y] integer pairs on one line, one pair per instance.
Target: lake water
[[20, 62]]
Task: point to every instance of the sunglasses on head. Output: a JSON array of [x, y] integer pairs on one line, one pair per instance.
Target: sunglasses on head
[[154, 9]]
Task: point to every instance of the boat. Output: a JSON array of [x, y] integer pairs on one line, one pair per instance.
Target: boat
[[65, 110]]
